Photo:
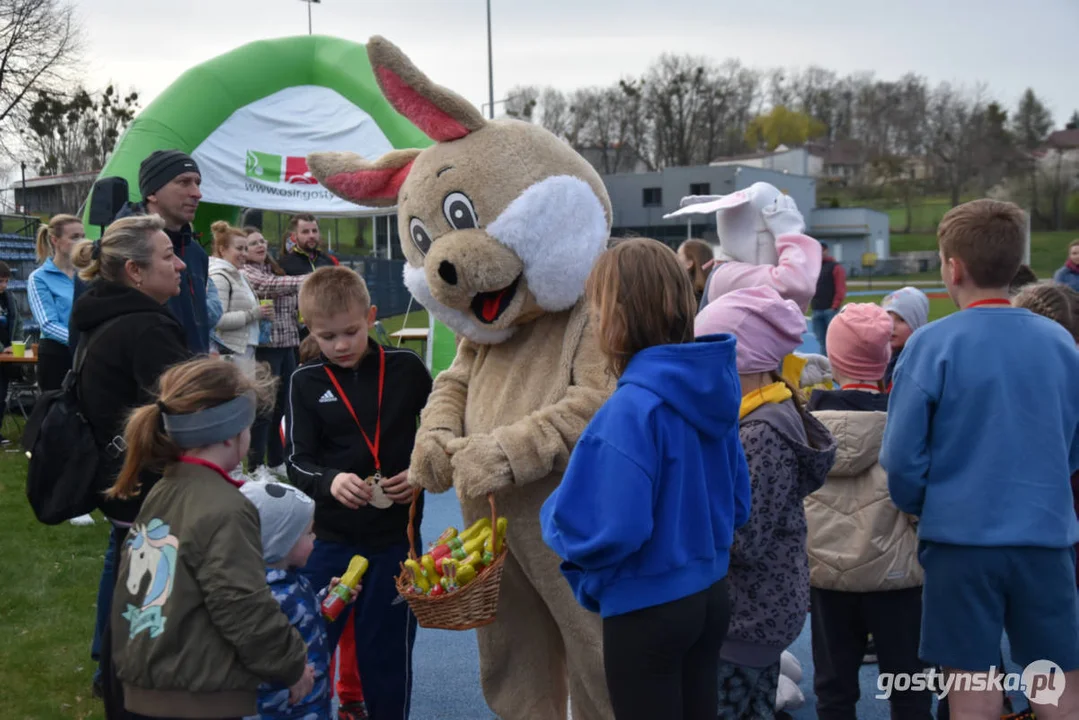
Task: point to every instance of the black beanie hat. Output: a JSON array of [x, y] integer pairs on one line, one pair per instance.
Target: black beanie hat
[[161, 167]]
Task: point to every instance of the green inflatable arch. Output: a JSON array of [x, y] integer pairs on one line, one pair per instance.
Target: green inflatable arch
[[210, 96], [205, 97]]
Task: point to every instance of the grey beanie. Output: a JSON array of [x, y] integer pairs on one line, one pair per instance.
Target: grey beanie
[[909, 303], [284, 513], [161, 167]]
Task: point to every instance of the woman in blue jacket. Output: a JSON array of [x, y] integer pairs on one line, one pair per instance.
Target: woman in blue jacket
[[50, 289], [656, 485]]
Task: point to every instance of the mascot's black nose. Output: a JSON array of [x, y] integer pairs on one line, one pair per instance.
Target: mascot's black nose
[[447, 272]]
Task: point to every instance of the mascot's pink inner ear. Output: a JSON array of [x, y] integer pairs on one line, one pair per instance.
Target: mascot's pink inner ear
[[424, 114], [358, 185]]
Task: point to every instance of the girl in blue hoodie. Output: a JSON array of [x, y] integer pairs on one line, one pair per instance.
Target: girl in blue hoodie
[[655, 488]]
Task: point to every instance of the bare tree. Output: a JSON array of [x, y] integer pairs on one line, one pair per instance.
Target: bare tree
[[521, 102], [77, 134], [38, 46], [956, 126]]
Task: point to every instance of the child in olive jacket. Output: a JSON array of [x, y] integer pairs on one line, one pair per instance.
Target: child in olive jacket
[[195, 629]]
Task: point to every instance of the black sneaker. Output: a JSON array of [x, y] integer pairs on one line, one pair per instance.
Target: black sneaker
[[4, 442], [98, 689]]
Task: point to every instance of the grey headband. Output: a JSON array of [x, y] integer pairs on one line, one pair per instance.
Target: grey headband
[[213, 425]]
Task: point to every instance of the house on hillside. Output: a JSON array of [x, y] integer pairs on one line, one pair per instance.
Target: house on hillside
[[844, 161]]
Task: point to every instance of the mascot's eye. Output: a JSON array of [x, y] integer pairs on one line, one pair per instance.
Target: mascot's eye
[[459, 211], [420, 237]]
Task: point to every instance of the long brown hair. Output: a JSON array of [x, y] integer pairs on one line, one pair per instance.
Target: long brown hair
[[185, 388], [641, 296], [274, 267], [699, 253]]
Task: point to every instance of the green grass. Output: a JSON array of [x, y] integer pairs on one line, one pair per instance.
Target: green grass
[[1048, 250], [49, 577], [938, 307]]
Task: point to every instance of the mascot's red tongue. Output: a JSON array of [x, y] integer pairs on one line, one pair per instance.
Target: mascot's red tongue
[[490, 305]]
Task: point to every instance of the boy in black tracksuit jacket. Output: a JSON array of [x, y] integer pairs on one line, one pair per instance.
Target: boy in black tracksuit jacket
[[324, 445]]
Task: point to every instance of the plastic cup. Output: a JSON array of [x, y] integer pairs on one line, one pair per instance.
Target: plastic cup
[[264, 303], [18, 348]]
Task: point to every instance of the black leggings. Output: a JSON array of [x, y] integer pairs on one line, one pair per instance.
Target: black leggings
[[663, 661], [53, 362]]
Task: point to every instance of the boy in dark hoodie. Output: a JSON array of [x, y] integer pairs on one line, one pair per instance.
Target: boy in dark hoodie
[[789, 453]]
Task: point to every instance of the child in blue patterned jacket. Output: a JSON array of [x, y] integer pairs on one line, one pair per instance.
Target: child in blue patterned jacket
[[287, 519]]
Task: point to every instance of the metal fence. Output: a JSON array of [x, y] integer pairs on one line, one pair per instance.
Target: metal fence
[[385, 281]]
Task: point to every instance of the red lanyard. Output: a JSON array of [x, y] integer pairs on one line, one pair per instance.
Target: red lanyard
[[372, 446], [989, 301], [859, 386], [212, 466]]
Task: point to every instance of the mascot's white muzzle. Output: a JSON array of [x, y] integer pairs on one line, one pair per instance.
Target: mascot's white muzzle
[[549, 237]]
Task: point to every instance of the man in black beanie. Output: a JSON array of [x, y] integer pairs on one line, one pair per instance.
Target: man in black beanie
[[169, 184]]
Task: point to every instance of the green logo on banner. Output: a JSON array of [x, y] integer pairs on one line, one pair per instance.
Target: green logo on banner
[[264, 166]]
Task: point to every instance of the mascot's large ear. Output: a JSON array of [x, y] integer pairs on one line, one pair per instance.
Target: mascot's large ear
[[349, 176], [441, 114]]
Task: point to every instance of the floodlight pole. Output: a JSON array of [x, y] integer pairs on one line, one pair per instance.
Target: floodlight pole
[[490, 65]]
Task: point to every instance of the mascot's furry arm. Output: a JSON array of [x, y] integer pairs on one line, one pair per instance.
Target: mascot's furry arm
[[441, 422], [540, 443]]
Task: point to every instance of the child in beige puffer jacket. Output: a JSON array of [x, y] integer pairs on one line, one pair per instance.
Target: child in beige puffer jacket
[[863, 567]]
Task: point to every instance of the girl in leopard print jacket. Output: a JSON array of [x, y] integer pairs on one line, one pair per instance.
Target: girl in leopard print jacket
[[789, 454]]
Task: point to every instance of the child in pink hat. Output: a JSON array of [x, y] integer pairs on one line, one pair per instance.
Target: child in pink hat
[[863, 565], [789, 454]]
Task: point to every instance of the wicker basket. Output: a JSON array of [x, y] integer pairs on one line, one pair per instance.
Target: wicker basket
[[466, 608]]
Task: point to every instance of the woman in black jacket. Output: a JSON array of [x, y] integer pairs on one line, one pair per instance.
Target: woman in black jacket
[[130, 338]]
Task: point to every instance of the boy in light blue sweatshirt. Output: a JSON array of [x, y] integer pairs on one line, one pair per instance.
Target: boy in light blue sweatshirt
[[981, 439]]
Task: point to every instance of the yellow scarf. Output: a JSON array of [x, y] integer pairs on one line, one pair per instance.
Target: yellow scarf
[[777, 392]]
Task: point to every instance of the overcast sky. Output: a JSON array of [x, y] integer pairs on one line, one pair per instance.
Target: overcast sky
[[146, 44]]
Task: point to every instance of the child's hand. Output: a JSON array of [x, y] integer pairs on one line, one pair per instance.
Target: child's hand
[[352, 595], [350, 490], [303, 687], [397, 488]]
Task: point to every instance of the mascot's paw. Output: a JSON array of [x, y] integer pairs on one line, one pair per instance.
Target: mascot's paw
[[479, 466], [430, 466], [782, 217]]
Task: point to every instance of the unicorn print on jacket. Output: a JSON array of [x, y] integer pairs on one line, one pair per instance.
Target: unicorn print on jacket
[[151, 551]]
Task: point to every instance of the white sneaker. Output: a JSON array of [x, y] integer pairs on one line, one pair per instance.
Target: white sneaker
[[82, 521], [262, 474], [280, 471]]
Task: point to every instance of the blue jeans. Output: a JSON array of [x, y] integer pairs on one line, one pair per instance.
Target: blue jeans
[[265, 433], [105, 588], [384, 625], [821, 319]]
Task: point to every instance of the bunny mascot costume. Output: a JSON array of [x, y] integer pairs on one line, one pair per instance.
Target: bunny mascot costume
[[501, 223]]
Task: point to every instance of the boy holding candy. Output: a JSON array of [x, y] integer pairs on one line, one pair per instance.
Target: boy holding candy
[[285, 519]]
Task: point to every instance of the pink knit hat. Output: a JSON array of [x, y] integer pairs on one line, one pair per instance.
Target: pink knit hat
[[858, 341], [766, 327]]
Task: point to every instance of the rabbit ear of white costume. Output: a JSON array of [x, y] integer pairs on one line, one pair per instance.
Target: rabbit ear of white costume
[[710, 204]]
